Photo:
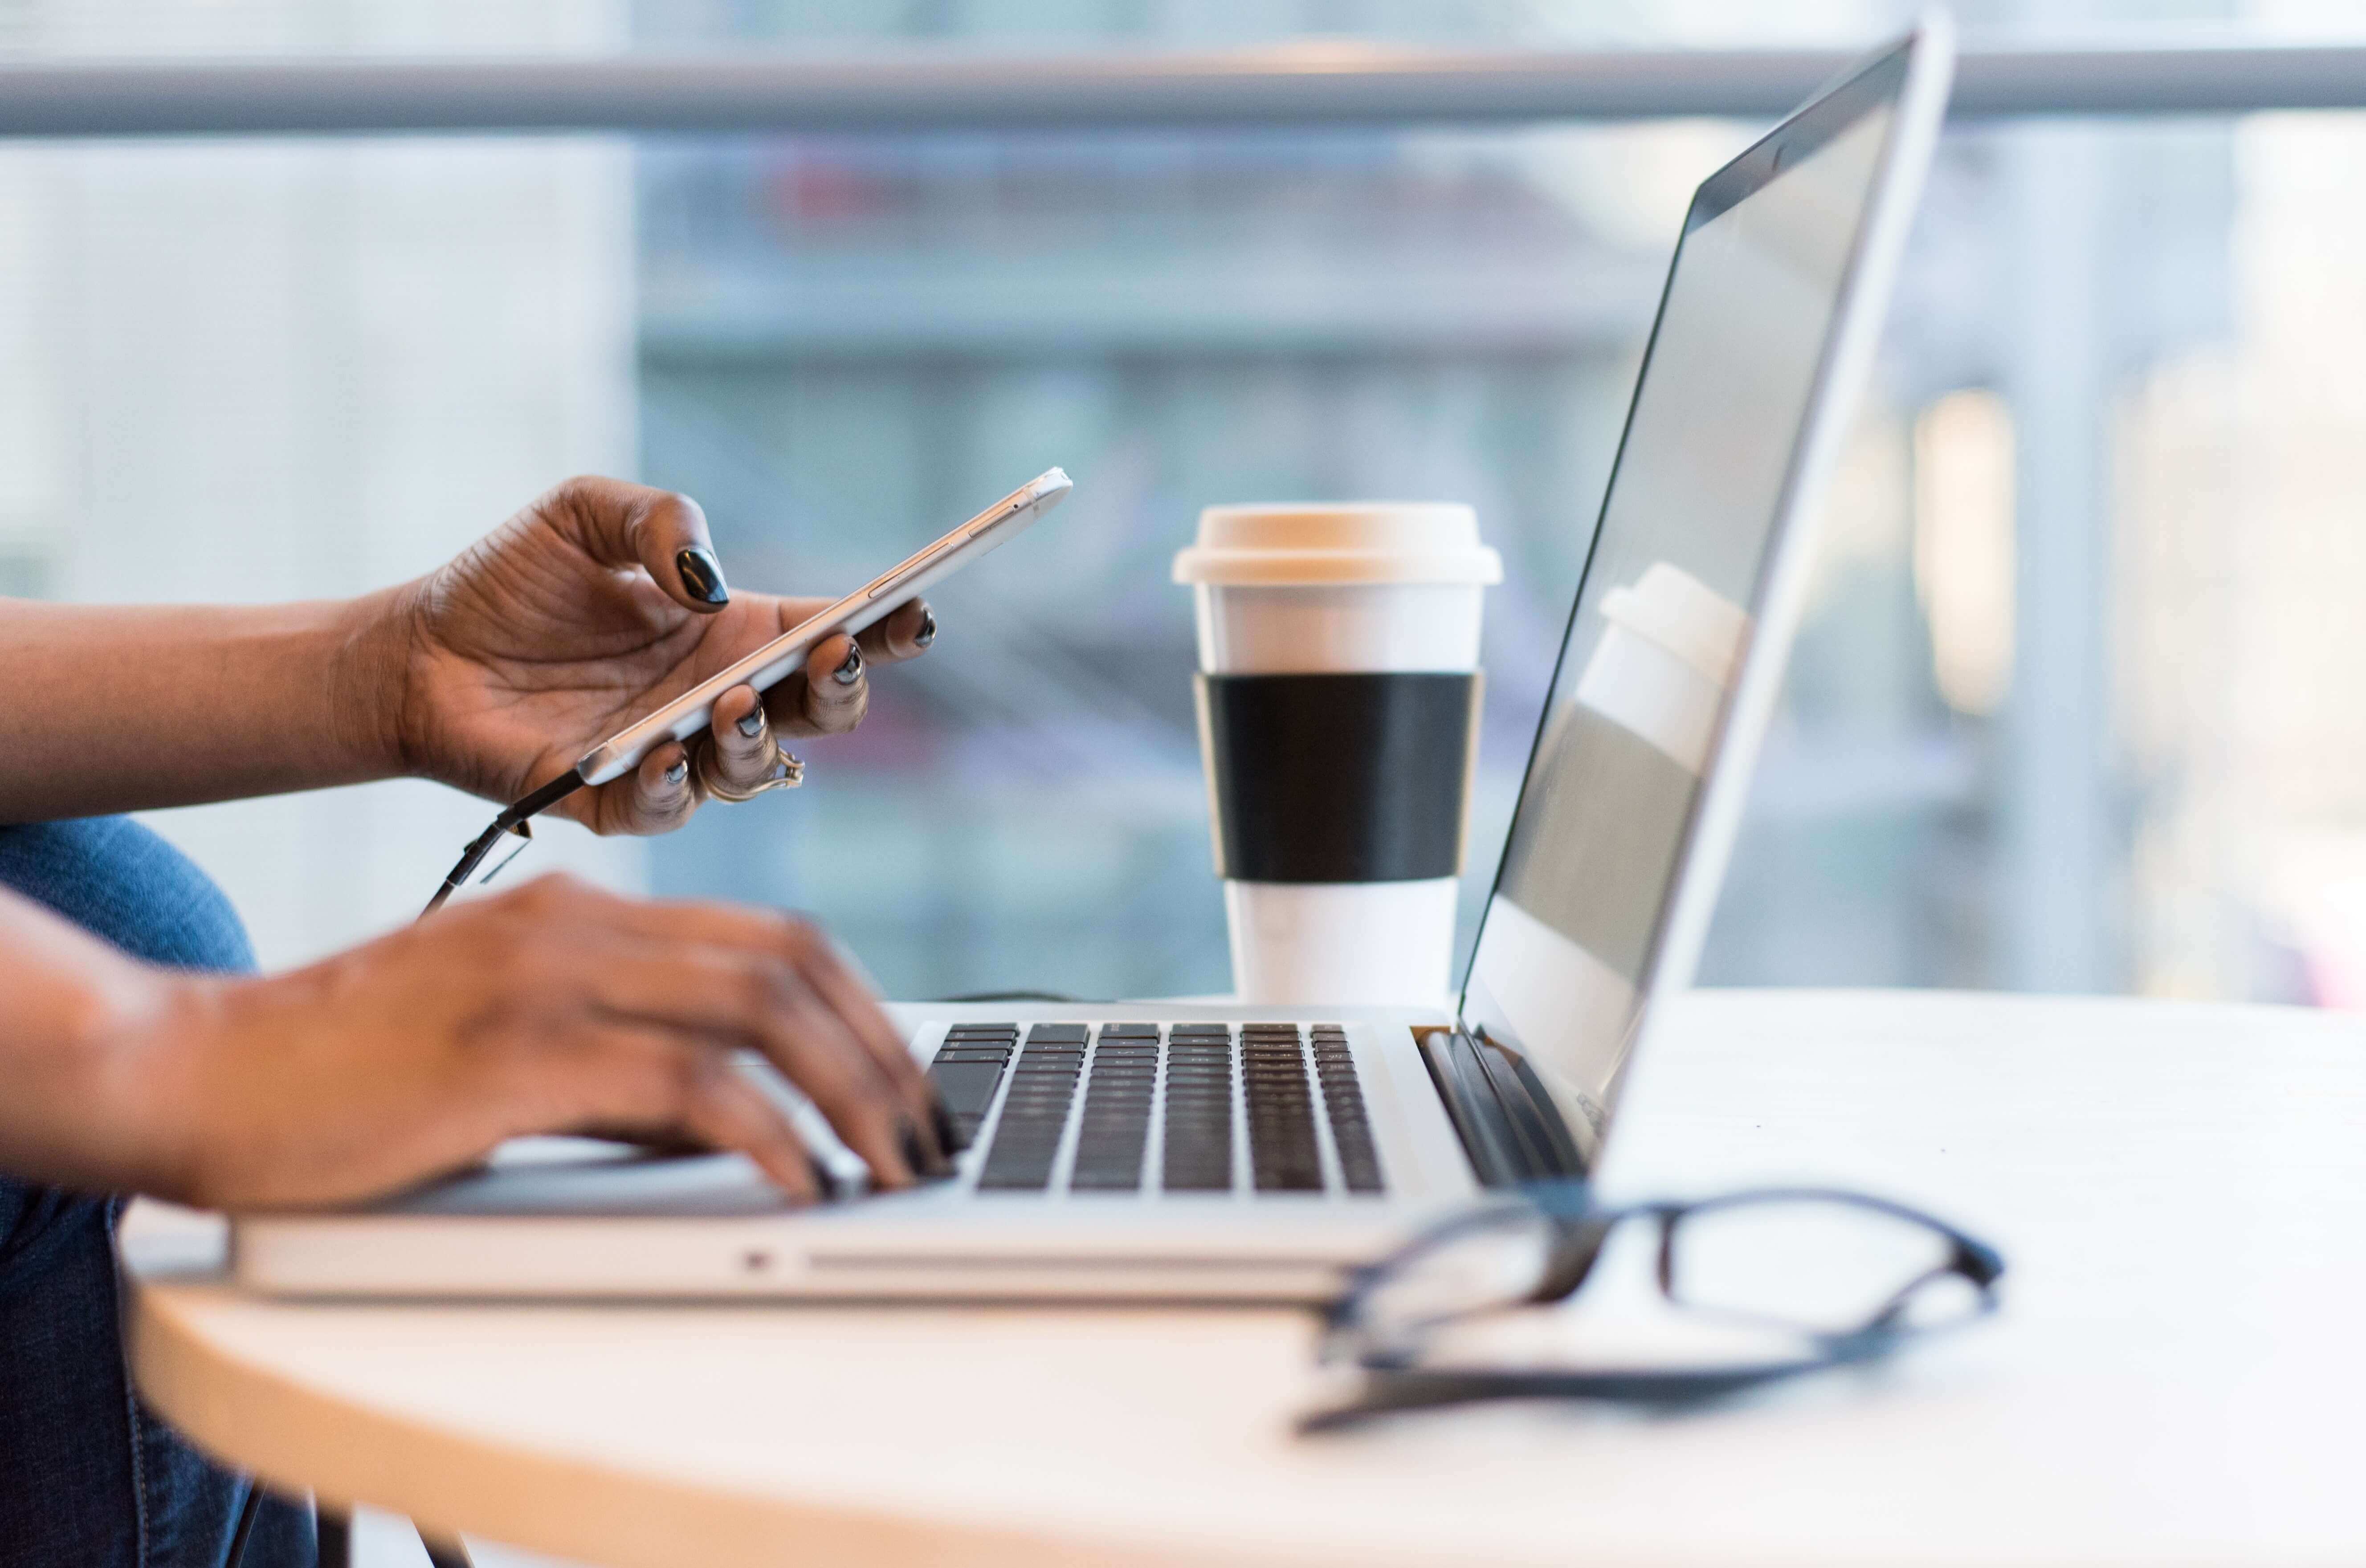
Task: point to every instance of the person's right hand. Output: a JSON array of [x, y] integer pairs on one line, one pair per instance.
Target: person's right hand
[[551, 1008]]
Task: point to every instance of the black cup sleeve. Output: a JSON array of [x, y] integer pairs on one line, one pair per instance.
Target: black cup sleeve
[[1339, 777]]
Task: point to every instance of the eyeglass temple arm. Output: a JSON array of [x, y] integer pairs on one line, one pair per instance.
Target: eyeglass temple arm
[[513, 819], [1389, 1391]]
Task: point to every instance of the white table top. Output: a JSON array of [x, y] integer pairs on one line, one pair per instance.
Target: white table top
[[2180, 1191]]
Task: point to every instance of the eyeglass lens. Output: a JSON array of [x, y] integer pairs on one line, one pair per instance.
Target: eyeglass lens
[[1477, 1265], [1822, 1264], [1818, 1264]]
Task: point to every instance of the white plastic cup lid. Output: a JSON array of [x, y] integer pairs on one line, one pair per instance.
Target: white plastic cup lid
[[1345, 543]]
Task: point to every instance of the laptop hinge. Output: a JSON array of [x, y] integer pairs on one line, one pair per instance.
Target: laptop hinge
[[1511, 1133], [1532, 1110]]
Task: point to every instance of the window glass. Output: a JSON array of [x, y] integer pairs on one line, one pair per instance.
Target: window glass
[[2071, 708]]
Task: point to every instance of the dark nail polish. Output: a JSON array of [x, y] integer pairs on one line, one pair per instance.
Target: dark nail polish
[[702, 574], [754, 722], [916, 1154], [824, 1178], [949, 1136], [679, 771], [850, 672], [928, 632]]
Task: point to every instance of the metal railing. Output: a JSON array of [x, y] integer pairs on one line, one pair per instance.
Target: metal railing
[[1307, 85]]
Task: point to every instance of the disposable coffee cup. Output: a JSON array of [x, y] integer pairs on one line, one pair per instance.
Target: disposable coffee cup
[[1340, 698]]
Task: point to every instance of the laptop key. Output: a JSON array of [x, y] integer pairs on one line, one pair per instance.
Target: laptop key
[[1284, 1154], [1198, 1115], [1113, 1125], [967, 1087], [1120, 1078], [1034, 1115], [1351, 1127]]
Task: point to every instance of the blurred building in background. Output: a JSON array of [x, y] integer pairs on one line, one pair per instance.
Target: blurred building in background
[[2071, 711], [841, 339]]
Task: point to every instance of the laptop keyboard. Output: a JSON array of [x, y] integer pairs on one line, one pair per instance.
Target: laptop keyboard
[[1160, 1114]]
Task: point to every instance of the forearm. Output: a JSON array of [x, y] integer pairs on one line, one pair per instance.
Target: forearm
[[70, 1107], [117, 708]]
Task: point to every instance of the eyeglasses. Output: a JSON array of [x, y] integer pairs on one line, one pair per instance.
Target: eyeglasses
[[1843, 1277]]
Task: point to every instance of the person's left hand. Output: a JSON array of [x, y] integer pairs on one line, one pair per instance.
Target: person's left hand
[[596, 603]]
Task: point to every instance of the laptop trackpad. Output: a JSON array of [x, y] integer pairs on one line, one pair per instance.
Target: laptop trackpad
[[590, 1175]]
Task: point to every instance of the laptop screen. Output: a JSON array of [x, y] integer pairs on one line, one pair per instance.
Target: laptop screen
[[1636, 713]]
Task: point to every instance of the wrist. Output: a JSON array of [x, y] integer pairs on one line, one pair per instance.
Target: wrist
[[376, 714], [95, 1101], [141, 1081]]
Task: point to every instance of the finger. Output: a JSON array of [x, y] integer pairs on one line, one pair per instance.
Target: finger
[[627, 1075], [620, 524], [830, 698], [746, 755], [659, 1143], [656, 797], [848, 995], [904, 633], [838, 987], [721, 976], [724, 1109], [808, 1040], [753, 992]]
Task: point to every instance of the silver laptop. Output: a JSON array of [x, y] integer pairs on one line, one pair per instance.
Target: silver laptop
[[1179, 1152]]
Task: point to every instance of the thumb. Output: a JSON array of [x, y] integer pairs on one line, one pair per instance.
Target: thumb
[[619, 523]]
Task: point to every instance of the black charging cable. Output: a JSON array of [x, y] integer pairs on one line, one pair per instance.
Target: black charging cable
[[513, 819]]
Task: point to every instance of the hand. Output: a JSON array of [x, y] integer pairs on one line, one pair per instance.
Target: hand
[[598, 603], [554, 1008]]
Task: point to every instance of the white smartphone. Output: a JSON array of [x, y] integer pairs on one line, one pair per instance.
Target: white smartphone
[[695, 709]]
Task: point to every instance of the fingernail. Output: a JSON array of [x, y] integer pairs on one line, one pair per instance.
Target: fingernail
[[916, 1154], [949, 1136], [928, 632], [823, 1177], [752, 723], [850, 672], [702, 574], [678, 770]]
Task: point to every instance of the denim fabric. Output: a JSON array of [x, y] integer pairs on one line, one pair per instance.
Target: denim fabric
[[89, 1478]]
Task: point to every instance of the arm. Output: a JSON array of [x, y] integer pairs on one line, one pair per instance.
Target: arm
[[493, 674], [553, 1007], [117, 708], [67, 990]]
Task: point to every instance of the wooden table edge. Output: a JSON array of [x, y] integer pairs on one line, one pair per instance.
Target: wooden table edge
[[299, 1438]]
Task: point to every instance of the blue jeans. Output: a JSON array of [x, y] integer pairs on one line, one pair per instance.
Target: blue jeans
[[89, 1476]]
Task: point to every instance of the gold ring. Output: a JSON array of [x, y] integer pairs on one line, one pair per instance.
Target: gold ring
[[787, 774]]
